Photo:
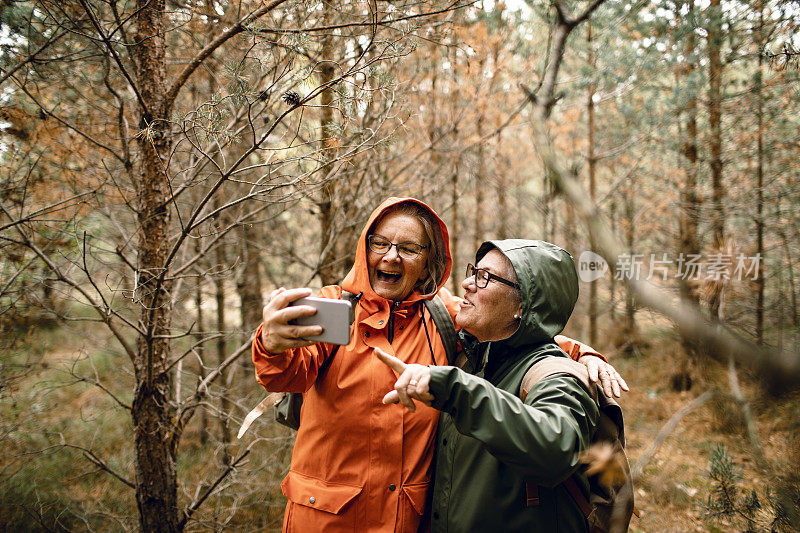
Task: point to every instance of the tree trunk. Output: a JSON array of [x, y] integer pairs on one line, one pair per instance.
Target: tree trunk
[[592, 181], [482, 189], [249, 288], [455, 229], [570, 228], [479, 192], [612, 289], [792, 287], [455, 193], [689, 198], [199, 336], [790, 272], [759, 38], [328, 272], [225, 433], [688, 243], [432, 116], [715, 141], [630, 308], [502, 203], [152, 412], [548, 195]]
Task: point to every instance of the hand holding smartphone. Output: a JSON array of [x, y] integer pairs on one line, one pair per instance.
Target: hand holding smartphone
[[332, 315]]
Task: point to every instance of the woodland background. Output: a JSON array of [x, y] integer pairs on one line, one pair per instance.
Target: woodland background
[[165, 164]]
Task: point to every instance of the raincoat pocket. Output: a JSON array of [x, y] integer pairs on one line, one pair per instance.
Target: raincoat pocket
[[412, 505], [416, 493], [313, 493]]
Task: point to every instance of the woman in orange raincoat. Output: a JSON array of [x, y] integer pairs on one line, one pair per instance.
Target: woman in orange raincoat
[[358, 465]]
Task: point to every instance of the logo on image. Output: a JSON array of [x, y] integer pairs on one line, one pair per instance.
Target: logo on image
[[591, 266]]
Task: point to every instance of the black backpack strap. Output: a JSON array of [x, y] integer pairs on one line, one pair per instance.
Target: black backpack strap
[[353, 299], [445, 326]]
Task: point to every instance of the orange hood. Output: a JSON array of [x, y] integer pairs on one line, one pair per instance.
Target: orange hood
[[357, 280]]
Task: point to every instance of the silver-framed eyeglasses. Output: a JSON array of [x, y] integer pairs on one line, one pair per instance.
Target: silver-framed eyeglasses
[[483, 277], [406, 250]]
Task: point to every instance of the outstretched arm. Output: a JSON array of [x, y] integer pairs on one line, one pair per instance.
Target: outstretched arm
[[550, 427], [284, 360]]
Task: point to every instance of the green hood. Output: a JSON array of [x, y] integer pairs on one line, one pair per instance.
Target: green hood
[[549, 285]]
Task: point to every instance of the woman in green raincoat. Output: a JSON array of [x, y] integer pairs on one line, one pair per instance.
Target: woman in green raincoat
[[490, 443]]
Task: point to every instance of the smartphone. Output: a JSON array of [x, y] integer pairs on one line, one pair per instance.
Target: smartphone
[[332, 315]]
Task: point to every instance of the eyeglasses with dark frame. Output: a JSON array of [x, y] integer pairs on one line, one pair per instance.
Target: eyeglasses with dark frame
[[406, 250], [483, 276]]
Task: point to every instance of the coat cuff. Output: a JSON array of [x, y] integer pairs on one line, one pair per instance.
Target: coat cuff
[[576, 349], [260, 354], [442, 378]]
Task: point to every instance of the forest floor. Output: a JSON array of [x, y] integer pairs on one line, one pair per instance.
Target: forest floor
[[673, 491], [58, 489]]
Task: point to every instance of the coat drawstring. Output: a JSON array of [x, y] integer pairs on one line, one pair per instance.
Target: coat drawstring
[[430, 346]]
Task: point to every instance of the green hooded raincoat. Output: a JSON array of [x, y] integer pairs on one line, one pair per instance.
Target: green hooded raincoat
[[489, 441]]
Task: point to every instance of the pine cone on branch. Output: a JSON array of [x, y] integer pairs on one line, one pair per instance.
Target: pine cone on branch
[[292, 98]]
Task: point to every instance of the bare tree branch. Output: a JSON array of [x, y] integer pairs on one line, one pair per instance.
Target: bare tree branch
[[586, 13], [96, 382], [187, 513], [669, 427], [68, 125], [32, 56], [192, 348], [105, 314], [116, 57], [46, 210], [747, 413], [22, 269], [234, 30], [90, 455], [782, 368], [203, 385], [373, 21]]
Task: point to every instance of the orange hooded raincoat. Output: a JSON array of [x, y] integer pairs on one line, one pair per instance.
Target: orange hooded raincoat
[[357, 464]]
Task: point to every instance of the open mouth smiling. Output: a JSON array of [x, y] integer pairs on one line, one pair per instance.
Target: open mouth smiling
[[388, 277]]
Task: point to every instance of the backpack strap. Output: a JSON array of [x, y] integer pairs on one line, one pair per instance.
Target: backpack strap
[[353, 299], [445, 326], [610, 424], [537, 372], [556, 365], [572, 487]]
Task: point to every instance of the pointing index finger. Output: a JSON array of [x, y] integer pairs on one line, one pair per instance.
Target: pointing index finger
[[391, 361]]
